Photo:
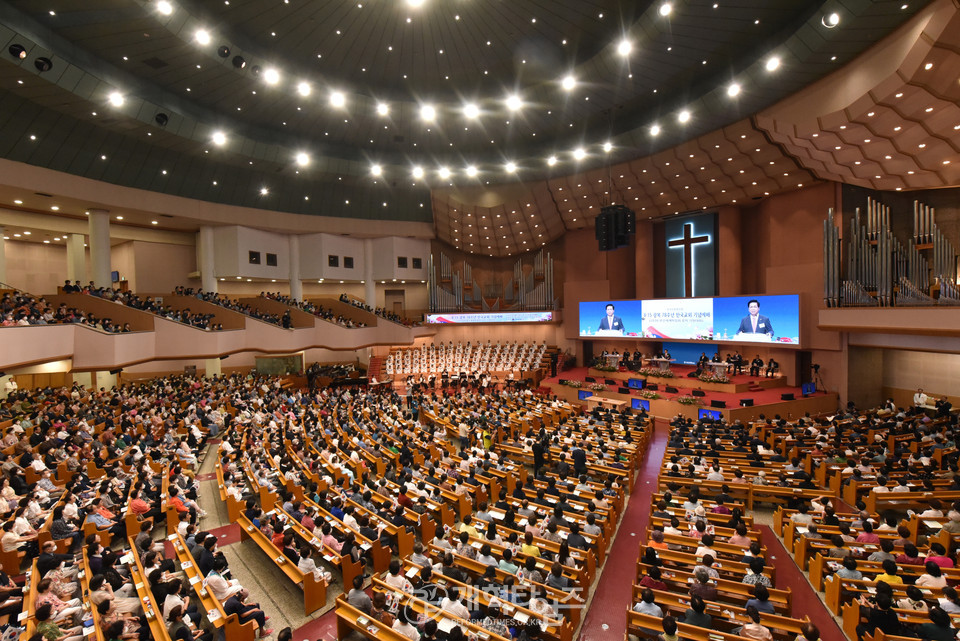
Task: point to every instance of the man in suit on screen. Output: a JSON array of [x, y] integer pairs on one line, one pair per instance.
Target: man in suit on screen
[[754, 322], [610, 321]]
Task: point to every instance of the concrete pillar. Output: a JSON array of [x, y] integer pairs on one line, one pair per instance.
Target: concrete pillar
[[369, 284], [211, 367], [3, 256], [296, 285], [205, 259], [76, 258], [99, 222]]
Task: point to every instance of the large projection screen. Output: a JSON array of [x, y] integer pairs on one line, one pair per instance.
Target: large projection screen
[[736, 319]]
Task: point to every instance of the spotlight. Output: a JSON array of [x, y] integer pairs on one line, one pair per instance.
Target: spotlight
[[830, 21], [568, 82], [383, 108], [116, 99], [223, 51], [338, 99], [683, 116], [551, 161], [773, 63], [271, 76], [471, 110], [666, 9], [164, 7], [428, 112], [161, 119], [579, 153], [444, 173], [43, 64], [219, 138], [655, 130], [418, 172], [625, 47], [514, 102], [511, 167], [18, 51], [733, 90], [202, 36], [303, 88], [303, 158], [376, 170], [472, 171], [239, 62]]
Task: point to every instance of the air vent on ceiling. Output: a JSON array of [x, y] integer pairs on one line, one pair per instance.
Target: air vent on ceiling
[[155, 63]]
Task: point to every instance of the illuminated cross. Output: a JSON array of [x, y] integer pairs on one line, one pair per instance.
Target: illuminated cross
[[687, 242]]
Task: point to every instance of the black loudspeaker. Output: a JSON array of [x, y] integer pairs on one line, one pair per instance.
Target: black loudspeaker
[[605, 232], [718, 403], [563, 381], [115, 371], [653, 386], [591, 379], [786, 397], [623, 390], [746, 402], [698, 392], [624, 225], [610, 381], [671, 390]]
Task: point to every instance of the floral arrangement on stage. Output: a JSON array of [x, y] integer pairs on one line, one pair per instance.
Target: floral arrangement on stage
[[714, 378], [688, 400], [574, 383], [606, 368], [598, 387], [649, 394], [656, 372]]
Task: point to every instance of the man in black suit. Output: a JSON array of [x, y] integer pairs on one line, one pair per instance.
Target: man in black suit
[[610, 321], [754, 322], [756, 365]]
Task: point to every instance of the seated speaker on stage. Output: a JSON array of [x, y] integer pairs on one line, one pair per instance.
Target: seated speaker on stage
[[756, 365], [772, 368]]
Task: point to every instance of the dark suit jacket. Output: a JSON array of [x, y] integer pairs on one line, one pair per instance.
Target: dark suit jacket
[[763, 325], [617, 323]]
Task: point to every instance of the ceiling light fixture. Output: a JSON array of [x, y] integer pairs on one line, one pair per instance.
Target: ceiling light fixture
[[733, 90], [302, 158], [165, 7], [830, 20], [471, 110], [568, 82], [655, 130], [383, 108], [444, 173], [551, 161], [624, 47], [428, 112], [202, 36], [116, 99], [219, 138], [510, 167], [271, 76], [666, 9], [418, 172], [304, 89], [773, 63], [514, 102], [608, 147], [472, 171], [338, 99], [683, 116], [579, 153]]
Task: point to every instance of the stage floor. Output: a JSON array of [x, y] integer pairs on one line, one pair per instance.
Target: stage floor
[[766, 394]]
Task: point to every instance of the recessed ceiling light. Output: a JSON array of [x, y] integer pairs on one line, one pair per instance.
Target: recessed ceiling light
[[153, 222], [271, 76], [415, 3], [418, 172], [733, 90], [18, 202], [552, 160], [116, 99], [428, 112], [624, 47], [773, 63], [304, 88], [579, 153], [568, 82], [376, 170], [928, 66], [202, 36], [119, 217], [444, 173], [303, 158], [472, 171], [655, 130], [219, 138], [510, 167], [830, 20], [608, 146], [471, 110], [54, 208], [165, 7], [338, 99], [666, 9], [263, 192], [683, 116], [514, 102]]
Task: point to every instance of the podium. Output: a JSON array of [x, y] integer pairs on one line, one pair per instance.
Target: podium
[[717, 368], [613, 360], [663, 364]]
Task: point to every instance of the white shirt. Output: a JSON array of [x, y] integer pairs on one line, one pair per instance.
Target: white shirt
[[919, 398], [456, 608], [406, 630]]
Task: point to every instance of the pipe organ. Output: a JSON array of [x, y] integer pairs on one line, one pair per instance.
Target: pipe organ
[[530, 287]]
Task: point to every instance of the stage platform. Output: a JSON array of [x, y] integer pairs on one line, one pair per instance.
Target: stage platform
[[766, 394]]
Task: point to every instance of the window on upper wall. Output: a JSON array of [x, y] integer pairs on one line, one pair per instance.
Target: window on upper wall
[[272, 260], [418, 263], [254, 258], [348, 262], [402, 262], [333, 261]]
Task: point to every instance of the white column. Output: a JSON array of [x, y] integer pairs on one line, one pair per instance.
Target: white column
[[76, 258], [369, 284], [100, 247], [3, 256], [205, 259], [211, 367], [296, 285]]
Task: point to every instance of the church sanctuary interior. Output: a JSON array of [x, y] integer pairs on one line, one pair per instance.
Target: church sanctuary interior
[[447, 320]]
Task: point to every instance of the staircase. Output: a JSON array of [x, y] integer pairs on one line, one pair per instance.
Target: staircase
[[375, 368]]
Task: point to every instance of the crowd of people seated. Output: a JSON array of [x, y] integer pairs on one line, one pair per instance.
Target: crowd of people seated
[[440, 359], [283, 320], [20, 309], [316, 309], [379, 311]]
